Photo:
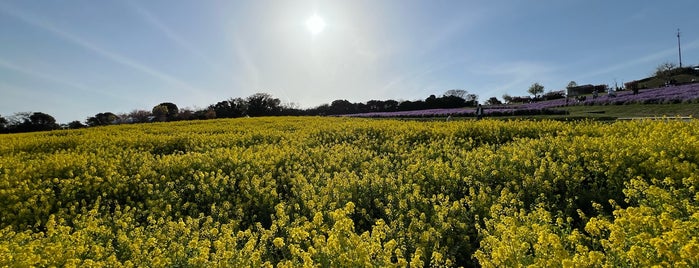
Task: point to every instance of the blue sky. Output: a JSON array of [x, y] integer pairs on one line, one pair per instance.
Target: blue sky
[[73, 59]]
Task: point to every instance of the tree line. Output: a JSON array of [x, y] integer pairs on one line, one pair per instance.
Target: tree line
[[259, 104]]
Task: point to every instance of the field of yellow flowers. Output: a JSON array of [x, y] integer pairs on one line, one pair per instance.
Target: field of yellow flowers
[[347, 192]]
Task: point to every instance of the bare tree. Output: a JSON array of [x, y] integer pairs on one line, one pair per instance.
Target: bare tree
[[456, 93], [140, 116], [664, 68]]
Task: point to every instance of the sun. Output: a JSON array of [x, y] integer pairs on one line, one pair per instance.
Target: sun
[[315, 24]]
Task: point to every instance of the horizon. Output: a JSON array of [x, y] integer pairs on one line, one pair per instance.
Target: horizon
[[75, 59]]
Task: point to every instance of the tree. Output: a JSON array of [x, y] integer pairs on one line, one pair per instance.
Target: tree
[[572, 84], [493, 101], [507, 98], [456, 93], [291, 108], [471, 100], [102, 119], [666, 71], [139, 116], [3, 124], [664, 68], [172, 110], [160, 112], [222, 109], [263, 104], [75, 125], [41, 122], [390, 105], [452, 102], [209, 114], [342, 107], [186, 114], [230, 108], [205, 114], [44, 121], [411, 105], [536, 89], [27, 122]]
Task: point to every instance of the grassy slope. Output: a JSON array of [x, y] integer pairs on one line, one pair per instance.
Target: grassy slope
[[633, 110], [659, 82]]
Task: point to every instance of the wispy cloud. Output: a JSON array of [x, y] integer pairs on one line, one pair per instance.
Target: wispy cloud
[[651, 58], [170, 33], [509, 76], [131, 63], [401, 80], [54, 79]]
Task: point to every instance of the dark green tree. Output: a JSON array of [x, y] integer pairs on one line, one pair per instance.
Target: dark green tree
[[507, 98], [160, 112], [263, 104], [3, 123], [493, 101], [342, 107], [233, 107], [172, 110], [27, 122], [102, 119], [75, 125]]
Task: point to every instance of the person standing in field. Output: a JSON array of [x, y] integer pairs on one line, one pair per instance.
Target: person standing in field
[[479, 112]]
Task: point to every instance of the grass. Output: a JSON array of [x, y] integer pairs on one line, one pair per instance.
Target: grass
[[633, 110], [686, 76]]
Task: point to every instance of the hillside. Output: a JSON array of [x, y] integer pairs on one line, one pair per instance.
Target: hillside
[[670, 101], [678, 76]]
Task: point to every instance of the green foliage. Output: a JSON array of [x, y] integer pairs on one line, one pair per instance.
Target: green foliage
[[493, 101], [3, 124], [101, 119], [263, 104], [28, 122], [536, 89], [338, 192], [160, 112]]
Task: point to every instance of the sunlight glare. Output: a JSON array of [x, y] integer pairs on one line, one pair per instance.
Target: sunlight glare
[[315, 24]]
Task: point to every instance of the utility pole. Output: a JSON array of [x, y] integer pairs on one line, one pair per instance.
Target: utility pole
[[679, 47]]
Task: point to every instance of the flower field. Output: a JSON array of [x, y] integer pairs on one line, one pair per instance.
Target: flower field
[[351, 192], [688, 93]]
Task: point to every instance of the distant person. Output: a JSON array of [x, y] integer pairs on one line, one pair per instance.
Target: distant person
[[479, 112], [594, 94]]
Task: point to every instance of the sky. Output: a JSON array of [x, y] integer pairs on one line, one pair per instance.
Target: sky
[[73, 59]]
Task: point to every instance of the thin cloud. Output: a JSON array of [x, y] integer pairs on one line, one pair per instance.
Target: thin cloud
[[54, 79], [169, 32], [655, 57], [516, 74], [96, 49]]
